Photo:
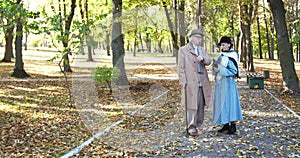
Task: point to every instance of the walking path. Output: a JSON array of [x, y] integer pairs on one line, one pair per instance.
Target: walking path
[[268, 130]]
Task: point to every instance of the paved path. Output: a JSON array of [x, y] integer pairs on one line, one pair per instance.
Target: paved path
[[268, 130]]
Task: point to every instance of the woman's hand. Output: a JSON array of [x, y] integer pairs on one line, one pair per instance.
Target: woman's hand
[[216, 69]]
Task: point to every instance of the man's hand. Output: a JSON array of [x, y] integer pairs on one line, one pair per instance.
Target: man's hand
[[200, 58]]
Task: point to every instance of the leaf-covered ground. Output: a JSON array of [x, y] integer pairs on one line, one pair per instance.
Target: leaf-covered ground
[[36, 122]]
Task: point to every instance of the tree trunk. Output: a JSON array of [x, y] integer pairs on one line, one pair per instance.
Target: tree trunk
[[107, 41], [8, 54], [90, 55], [298, 51], [285, 48], [148, 41], [267, 31], [272, 39], [141, 39], [88, 36], [118, 44], [68, 23], [171, 27], [198, 14], [19, 71], [242, 38], [259, 39], [81, 37], [176, 26], [298, 33], [181, 20], [249, 47], [26, 40], [159, 45], [135, 32], [246, 11]]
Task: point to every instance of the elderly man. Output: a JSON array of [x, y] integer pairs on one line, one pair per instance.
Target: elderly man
[[196, 89]]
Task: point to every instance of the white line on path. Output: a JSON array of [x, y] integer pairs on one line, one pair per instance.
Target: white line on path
[[89, 141], [279, 101]]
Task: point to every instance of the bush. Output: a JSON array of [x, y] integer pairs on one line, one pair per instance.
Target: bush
[[35, 43], [104, 75]]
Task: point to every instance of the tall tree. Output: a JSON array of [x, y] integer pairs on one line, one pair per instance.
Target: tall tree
[[267, 30], [19, 71], [59, 28], [118, 43], [181, 21], [66, 32], [89, 39], [176, 28], [135, 31], [172, 30], [8, 54], [259, 38], [285, 48], [272, 31], [7, 14], [246, 13], [199, 22]]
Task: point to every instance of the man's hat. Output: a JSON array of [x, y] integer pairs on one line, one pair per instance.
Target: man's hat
[[225, 39], [196, 32]]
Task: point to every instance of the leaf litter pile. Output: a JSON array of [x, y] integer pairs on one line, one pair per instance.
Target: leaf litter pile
[[35, 121]]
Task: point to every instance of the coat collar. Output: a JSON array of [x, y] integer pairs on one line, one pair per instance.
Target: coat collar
[[191, 49]]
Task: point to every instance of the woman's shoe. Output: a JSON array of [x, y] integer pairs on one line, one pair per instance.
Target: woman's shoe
[[232, 129], [224, 128]]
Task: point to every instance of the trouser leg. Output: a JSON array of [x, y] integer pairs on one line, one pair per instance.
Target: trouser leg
[[195, 117], [191, 118], [200, 110]]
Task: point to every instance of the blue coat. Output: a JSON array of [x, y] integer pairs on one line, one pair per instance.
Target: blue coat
[[226, 103]]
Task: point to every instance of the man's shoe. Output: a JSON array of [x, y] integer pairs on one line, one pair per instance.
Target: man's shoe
[[199, 131], [193, 132]]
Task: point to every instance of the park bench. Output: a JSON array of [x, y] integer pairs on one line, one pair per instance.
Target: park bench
[[255, 80]]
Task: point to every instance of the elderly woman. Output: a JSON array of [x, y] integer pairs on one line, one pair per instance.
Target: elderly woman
[[227, 109]]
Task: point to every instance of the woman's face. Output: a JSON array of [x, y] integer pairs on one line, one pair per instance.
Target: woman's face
[[225, 46]]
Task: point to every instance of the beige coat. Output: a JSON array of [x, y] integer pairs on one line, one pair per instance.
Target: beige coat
[[188, 76]]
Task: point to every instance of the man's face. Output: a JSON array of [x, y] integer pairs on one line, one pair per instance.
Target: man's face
[[197, 39]]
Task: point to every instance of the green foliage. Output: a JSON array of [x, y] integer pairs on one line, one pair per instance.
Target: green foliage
[[103, 75], [35, 42]]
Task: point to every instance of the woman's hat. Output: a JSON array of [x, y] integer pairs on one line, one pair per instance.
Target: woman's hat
[[225, 39], [196, 32]]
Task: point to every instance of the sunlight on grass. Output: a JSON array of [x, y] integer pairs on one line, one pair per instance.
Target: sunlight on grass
[[21, 88], [155, 55], [26, 109], [51, 88]]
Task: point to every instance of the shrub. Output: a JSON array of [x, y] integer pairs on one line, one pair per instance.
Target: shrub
[[104, 75]]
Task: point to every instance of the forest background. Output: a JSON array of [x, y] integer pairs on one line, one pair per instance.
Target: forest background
[[260, 29]]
